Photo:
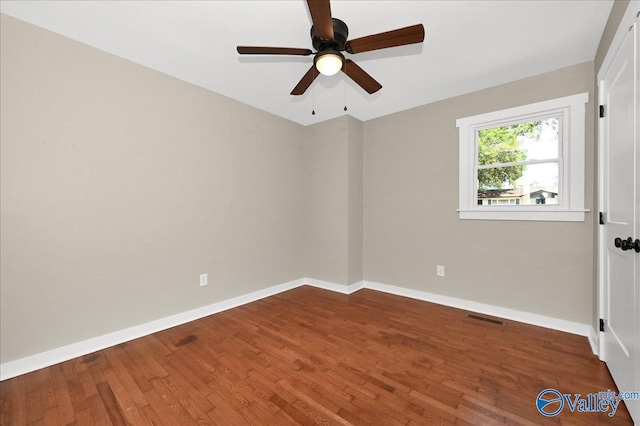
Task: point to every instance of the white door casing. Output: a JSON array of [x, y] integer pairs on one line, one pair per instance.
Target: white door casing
[[619, 278]]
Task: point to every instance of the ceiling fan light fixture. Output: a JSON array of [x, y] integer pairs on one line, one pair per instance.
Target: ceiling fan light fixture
[[329, 62], [330, 37]]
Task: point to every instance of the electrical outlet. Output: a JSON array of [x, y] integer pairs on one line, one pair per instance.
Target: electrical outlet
[[440, 270], [203, 280]]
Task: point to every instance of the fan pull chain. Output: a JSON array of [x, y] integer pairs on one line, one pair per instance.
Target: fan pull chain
[[345, 87], [313, 111], [345, 95]]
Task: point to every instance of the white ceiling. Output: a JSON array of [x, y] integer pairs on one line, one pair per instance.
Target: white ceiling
[[469, 45]]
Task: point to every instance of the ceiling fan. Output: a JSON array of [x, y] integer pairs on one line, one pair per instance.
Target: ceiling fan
[[329, 38]]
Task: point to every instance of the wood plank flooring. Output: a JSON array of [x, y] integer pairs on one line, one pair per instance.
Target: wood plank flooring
[[310, 356]]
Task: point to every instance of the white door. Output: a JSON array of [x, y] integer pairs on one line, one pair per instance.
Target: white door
[[621, 337]]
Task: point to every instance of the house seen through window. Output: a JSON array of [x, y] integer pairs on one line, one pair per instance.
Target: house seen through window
[[518, 164]]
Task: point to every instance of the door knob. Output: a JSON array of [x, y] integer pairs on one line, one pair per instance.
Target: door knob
[[628, 244]]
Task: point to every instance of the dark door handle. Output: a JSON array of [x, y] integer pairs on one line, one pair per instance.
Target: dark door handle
[[628, 244]]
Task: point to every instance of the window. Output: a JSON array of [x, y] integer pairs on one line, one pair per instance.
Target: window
[[524, 163]]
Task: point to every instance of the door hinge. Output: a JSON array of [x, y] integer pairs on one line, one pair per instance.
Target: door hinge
[[601, 111], [601, 324], [601, 218]]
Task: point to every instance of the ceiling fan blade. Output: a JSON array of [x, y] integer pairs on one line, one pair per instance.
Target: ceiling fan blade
[[360, 76], [399, 37], [306, 81], [321, 17], [262, 50]]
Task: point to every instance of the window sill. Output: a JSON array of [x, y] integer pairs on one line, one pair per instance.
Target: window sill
[[518, 213]]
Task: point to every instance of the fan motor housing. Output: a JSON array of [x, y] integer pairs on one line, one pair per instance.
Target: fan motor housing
[[340, 35]]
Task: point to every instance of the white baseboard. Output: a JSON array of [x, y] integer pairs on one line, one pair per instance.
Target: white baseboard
[[74, 350], [594, 341], [352, 288], [326, 285], [339, 288], [496, 311]]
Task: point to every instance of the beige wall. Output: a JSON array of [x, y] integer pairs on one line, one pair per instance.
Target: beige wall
[[120, 185], [355, 159], [333, 163], [411, 224], [327, 192]]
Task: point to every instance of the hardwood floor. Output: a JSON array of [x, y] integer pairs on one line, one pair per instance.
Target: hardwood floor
[[310, 356]]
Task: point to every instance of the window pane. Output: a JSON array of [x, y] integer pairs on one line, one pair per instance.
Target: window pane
[[532, 184], [532, 140]]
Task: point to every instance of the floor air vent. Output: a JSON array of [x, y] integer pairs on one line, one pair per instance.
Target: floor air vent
[[478, 317]]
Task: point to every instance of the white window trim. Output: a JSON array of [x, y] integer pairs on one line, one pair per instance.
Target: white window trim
[[572, 179]]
